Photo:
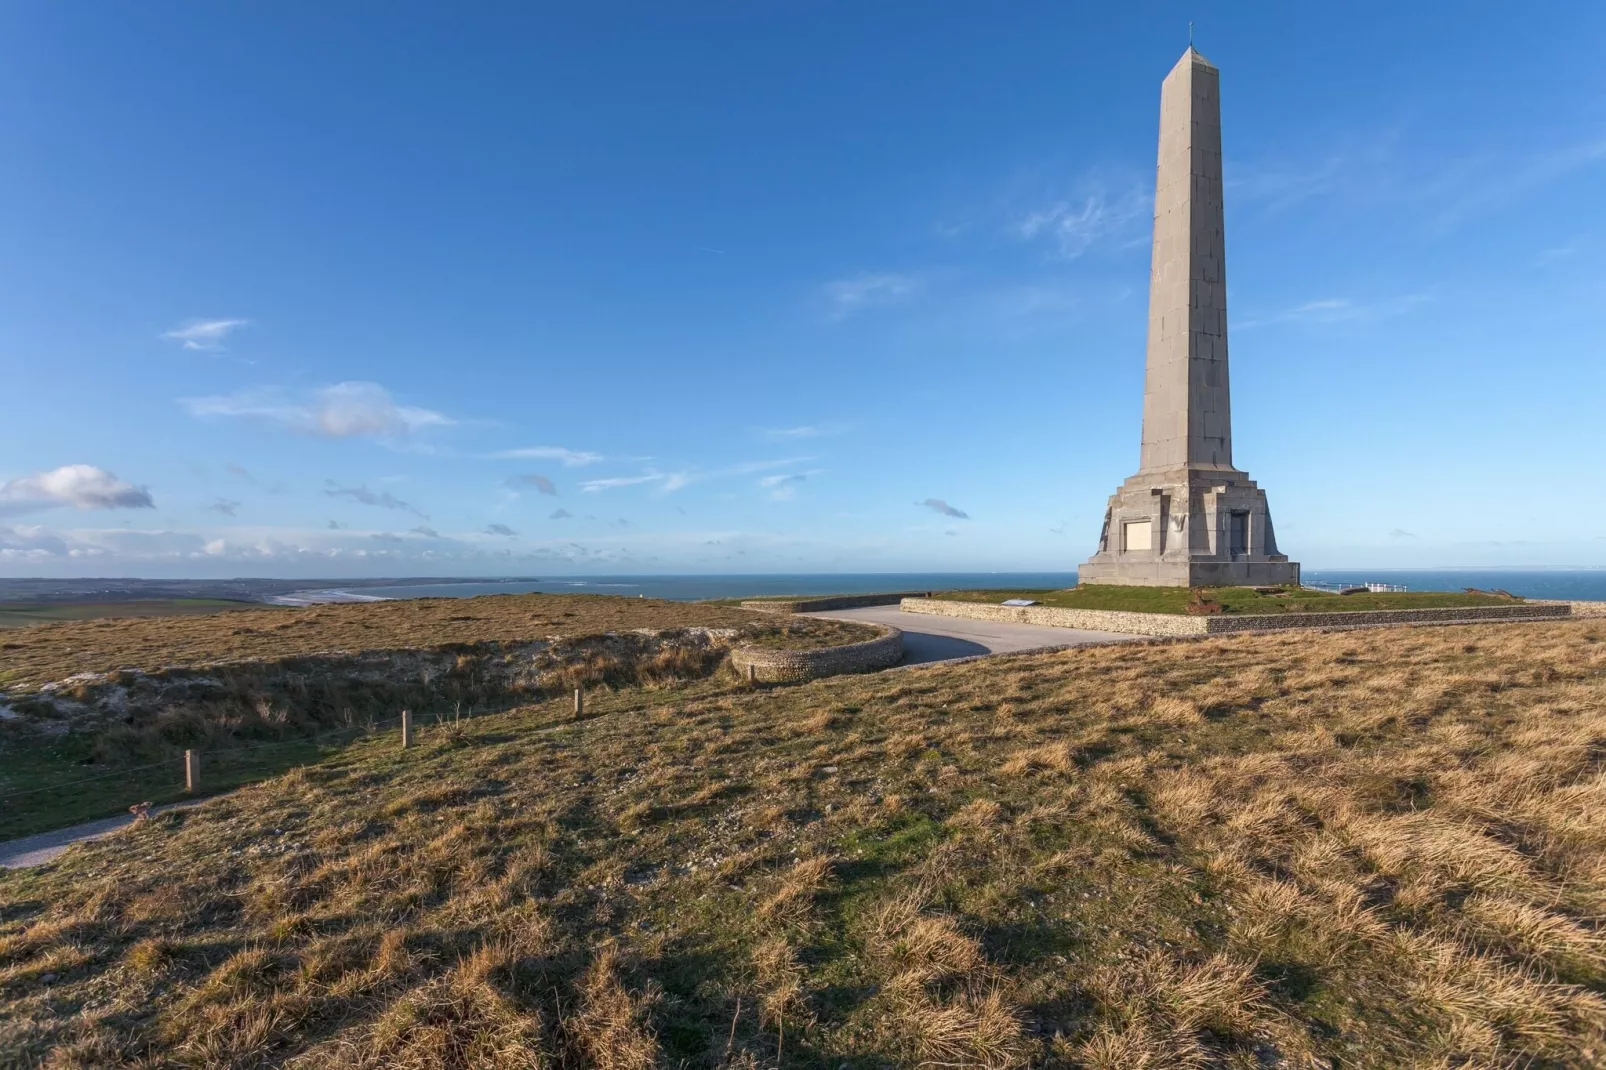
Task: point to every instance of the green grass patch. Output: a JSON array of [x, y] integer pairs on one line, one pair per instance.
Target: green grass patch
[[1238, 600], [27, 614]]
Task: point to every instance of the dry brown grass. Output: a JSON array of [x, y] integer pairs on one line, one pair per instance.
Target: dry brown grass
[[1374, 849], [33, 656]]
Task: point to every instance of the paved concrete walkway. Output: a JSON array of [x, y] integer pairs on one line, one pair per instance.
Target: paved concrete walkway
[[929, 638], [37, 850]]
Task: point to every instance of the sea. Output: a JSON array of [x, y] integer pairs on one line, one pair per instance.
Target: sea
[[1579, 584]]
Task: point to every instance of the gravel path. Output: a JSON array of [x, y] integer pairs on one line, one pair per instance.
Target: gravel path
[[44, 847], [928, 638]]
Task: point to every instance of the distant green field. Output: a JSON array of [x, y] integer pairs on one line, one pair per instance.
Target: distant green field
[[1231, 599], [27, 614]]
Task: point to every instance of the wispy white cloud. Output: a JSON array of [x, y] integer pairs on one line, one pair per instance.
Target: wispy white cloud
[[377, 499], [1017, 302], [1335, 310], [1076, 223], [567, 457], [1278, 184], [81, 486], [1501, 181], [783, 487], [666, 481], [500, 529], [1556, 252], [672, 481], [747, 468], [225, 506], [787, 434], [206, 335], [1387, 167], [344, 410], [868, 290]]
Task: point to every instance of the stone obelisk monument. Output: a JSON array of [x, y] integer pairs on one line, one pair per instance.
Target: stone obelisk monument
[[1188, 517]]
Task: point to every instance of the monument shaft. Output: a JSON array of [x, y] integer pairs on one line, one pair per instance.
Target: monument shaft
[[1188, 517], [1187, 415]]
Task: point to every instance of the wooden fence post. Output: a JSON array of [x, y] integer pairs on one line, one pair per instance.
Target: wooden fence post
[[752, 673], [407, 729], [192, 771], [579, 702]]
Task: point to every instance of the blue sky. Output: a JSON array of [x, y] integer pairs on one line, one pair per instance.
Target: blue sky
[[389, 289]]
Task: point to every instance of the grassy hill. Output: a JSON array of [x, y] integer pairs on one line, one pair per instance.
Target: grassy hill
[[1368, 849], [251, 688], [34, 656]]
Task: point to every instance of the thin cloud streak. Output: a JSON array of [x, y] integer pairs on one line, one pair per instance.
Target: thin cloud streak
[[788, 434], [344, 410], [1076, 224], [867, 290], [379, 499], [1333, 310], [204, 335], [567, 457], [673, 481]]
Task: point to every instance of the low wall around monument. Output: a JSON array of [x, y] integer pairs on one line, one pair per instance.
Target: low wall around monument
[[1176, 624], [766, 666]]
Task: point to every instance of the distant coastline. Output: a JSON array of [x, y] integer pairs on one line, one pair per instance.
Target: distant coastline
[[322, 596], [1582, 584]]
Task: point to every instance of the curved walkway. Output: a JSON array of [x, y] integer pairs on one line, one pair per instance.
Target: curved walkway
[[38, 849], [930, 638]]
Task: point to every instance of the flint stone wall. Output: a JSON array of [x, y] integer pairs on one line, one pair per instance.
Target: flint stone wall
[[1103, 620], [1580, 609], [792, 666], [821, 605]]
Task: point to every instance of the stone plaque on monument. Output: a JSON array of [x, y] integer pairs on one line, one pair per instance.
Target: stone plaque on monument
[[1188, 517]]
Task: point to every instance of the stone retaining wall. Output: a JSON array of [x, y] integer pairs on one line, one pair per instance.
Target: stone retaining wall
[[1580, 609], [768, 666], [821, 605], [1093, 620], [1176, 624]]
